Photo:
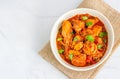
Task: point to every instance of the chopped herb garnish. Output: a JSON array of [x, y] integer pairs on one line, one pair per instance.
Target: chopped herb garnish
[[75, 39], [70, 56], [60, 51], [99, 46], [102, 34], [84, 18], [105, 41], [90, 38], [89, 23], [59, 39]]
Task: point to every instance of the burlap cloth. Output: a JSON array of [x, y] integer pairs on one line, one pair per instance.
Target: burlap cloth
[[114, 18]]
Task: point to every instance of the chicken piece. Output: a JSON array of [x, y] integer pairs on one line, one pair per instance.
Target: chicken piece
[[79, 60], [78, 25], [66, 32], [79, 38], [97, 55], [73, 52], [96, 30], [76, 39], [67, 36], [89, 48], [78, 46], [87, 31], [91, 22]]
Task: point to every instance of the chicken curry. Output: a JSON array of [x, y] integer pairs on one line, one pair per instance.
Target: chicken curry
[[82, 40]]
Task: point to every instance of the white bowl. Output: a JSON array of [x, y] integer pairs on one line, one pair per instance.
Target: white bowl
[[72, 13]]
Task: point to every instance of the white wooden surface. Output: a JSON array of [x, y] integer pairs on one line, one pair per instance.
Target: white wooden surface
[[25, 27]]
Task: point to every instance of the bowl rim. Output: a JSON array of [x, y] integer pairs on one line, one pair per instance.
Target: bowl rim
[[64, 63]]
